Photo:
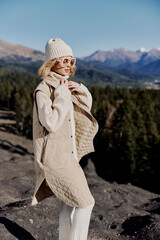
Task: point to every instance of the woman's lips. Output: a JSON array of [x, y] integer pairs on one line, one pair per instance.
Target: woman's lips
[[66, 70]]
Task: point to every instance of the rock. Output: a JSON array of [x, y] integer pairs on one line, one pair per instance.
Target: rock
[[31, 221], [121, 211]]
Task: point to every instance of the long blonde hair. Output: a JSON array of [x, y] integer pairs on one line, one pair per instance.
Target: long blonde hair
[[44, 70]]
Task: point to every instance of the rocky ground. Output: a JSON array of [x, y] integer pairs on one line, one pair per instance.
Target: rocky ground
[[120, 212]]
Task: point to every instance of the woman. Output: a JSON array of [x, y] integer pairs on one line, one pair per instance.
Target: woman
[[63, 132]]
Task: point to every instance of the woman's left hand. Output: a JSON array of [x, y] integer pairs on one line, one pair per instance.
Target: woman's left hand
[[73, 85]]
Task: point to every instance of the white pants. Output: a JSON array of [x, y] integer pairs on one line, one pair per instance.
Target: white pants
[[74, 222]]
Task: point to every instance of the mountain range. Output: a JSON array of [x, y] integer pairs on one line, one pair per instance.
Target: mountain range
[[122, 58], [114, 66], [13, 52]]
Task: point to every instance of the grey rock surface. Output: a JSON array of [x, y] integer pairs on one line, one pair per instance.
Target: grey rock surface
[[120, 212]]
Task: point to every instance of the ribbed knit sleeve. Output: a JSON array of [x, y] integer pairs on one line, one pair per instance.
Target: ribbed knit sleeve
[[51, 115], [84, 95]]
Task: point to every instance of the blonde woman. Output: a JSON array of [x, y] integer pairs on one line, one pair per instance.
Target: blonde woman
[[63, 132]]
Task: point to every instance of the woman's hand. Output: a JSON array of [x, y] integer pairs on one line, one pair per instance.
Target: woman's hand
[[73, 85]]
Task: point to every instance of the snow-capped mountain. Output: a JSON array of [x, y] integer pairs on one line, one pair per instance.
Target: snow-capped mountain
[[142, 50]]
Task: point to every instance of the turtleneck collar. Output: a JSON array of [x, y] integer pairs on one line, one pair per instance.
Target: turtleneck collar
[[54, 78]]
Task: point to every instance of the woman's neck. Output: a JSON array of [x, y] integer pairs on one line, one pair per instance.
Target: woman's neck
[[57, 76]]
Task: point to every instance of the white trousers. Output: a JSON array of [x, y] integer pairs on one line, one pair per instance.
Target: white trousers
[[74, 222]]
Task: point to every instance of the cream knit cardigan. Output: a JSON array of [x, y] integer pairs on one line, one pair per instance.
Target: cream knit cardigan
[[52, 119]]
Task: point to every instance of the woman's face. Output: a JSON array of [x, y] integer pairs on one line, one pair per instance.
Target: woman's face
[[62, 70]]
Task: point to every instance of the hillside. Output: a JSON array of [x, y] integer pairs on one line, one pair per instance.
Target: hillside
[[121, 212], [152, 68], [88, 74], [20, 53]]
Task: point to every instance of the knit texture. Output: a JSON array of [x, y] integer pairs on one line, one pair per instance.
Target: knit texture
[[52, 120], [56, 48]]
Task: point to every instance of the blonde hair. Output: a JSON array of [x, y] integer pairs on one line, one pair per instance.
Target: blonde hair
[[45, 69]]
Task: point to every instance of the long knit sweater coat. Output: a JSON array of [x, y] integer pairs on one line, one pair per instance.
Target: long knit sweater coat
[[62, 134], [52, 120]]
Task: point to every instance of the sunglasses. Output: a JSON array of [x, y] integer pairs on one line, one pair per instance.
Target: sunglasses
[[65, 61]]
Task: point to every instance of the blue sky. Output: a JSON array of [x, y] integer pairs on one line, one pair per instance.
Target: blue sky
[[85, 25]]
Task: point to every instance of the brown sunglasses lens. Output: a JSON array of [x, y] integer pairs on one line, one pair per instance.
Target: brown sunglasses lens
[[73, 62], [66, 61]]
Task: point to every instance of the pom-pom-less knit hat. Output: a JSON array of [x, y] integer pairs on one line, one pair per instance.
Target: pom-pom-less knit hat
[[55, 48]]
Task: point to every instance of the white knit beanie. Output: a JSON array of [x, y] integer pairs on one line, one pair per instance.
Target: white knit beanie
[[55, 48]]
